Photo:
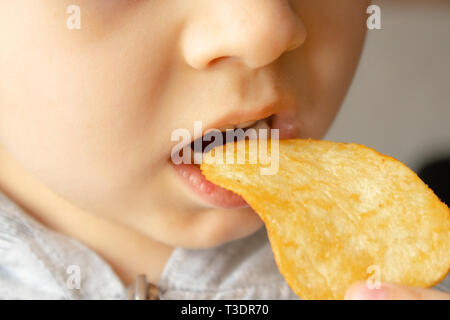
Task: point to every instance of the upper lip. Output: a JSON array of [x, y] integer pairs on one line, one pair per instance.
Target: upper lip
[[236, 117]]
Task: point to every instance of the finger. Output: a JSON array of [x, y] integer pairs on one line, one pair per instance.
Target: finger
[[388, 291]]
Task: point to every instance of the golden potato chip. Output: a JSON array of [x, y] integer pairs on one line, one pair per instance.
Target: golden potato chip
[[338, 213]]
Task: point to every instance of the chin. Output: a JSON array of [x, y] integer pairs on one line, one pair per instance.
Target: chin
[[220, 226]]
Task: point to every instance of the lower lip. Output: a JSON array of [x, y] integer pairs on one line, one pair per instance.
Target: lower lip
[[218, 196], [209, 192]]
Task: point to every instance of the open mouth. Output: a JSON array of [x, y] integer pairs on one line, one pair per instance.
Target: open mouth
[[230, 133], [190, 172]]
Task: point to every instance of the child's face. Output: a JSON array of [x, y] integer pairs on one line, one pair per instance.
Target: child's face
[[90, 112]]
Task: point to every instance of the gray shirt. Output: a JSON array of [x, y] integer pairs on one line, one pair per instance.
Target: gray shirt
[[38, 263]]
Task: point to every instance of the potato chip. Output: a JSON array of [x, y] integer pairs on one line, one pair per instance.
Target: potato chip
[[338, 213]]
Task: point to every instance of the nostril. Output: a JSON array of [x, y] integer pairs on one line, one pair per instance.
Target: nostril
[[217, 60], [297, 43]]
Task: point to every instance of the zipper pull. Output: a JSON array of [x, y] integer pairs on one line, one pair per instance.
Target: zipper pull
[[141, 289]]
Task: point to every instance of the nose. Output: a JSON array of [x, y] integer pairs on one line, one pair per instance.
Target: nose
[[257, 32]]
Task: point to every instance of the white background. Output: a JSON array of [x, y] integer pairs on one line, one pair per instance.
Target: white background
[[399, 102]]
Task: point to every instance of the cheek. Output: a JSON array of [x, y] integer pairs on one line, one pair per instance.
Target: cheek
[[77, 140], [80, 116], [326, 63]]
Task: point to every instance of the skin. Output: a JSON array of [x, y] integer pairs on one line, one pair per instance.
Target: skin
[[86, 115], [389, 291]]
